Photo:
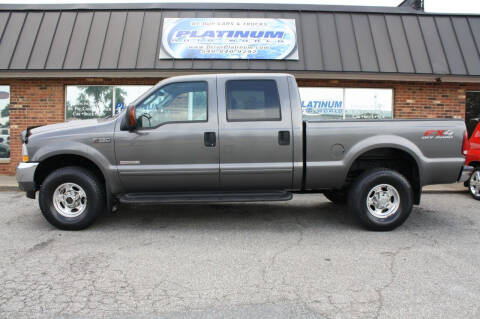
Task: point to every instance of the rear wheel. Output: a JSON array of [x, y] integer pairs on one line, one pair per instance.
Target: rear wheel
[[381, 199], [474, 184], [71, 198]]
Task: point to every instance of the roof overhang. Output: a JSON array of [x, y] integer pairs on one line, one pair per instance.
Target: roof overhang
[[298, 74], [352, 42]]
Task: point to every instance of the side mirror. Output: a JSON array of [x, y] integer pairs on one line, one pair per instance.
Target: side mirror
[[129, 122]]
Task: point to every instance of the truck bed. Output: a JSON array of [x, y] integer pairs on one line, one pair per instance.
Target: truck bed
[[332, 147]]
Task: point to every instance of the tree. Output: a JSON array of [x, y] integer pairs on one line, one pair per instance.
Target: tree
[[94, 102], [102, 97], [6, 111]]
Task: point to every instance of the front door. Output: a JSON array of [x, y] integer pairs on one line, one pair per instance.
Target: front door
[[174, 147], [255, 127]]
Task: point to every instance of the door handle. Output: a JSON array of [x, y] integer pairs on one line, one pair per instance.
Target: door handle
[[284, 137], [210, 139]]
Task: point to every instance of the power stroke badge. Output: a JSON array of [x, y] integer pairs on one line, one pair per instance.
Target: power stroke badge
[[229, 38]]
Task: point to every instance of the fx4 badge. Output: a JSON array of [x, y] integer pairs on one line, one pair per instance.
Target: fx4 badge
[[438, 134]]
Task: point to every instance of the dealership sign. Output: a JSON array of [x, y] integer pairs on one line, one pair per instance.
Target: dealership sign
[[322, 101], [229, 38]]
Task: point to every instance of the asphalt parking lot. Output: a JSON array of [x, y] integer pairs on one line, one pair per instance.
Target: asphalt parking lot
[[301, 259]]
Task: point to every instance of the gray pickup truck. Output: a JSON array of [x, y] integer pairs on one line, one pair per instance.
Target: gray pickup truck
[[235, 137]]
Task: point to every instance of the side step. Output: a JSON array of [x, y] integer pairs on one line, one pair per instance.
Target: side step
[[203, 197]]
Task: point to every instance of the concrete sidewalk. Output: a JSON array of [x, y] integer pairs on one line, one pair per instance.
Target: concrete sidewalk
[[9, 183]]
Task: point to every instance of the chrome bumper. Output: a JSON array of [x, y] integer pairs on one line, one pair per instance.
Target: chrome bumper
[[25, 176], [465, 174]]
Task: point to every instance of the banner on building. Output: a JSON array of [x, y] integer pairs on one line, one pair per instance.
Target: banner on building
[[229, 38]]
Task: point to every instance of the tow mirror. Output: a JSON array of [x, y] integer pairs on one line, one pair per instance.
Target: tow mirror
[[129, 122]]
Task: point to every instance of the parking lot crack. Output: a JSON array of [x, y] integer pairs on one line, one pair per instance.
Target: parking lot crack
[[391, 268], [273, 260]]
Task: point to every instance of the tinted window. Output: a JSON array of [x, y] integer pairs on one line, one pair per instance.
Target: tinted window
[[176, 102], [252, 100]]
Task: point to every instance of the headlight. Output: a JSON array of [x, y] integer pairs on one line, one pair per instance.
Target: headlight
[[24, 152]]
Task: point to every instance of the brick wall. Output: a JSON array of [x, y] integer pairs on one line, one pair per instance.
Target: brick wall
[[42, 101]]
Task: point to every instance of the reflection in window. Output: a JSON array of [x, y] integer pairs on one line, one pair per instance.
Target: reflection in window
[[176, 102], [346, 103], [4, 121], [375, 104], [98, 101]]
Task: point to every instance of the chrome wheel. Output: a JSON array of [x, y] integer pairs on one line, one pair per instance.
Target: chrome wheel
[[383, 201], [474, 183], [70, 200]]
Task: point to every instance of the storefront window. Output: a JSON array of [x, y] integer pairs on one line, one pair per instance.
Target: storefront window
[[98, 101], [346, 103], [4, 122]]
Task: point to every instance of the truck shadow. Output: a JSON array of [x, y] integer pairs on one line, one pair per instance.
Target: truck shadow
[[313, 213], [278, 216]]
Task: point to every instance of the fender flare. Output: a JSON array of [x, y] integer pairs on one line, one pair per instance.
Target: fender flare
[[78, 149], [384, 141]]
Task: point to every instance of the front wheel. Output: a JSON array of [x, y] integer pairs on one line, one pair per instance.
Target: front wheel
[[71, 198], [381, 199], [474, 184]]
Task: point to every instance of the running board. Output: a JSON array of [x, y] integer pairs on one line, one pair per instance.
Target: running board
[[203, 197]]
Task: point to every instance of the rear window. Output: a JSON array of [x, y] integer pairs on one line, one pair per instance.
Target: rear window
[[252, 100]]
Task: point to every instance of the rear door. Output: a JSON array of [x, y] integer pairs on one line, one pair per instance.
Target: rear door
[[255, 132]]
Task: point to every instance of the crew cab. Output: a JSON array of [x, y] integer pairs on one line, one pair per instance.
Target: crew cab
[[235, 137]]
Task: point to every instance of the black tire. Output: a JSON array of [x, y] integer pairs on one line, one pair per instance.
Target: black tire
[[92, 187], [475, 176], [338, 197], [364, 185]]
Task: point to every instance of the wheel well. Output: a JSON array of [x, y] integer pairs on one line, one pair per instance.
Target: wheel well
[[52, 163], [392, 158], [474, 164]]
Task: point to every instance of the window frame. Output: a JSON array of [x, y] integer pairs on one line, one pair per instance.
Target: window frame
[[174, 122], [279, 119]]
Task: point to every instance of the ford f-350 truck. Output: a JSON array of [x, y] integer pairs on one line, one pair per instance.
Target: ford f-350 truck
[[235, 137]]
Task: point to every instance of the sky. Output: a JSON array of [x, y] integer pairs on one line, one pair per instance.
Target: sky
[[446, 6]]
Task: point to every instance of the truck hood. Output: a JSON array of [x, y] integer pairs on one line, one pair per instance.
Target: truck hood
[[66, 125], [78, 128]]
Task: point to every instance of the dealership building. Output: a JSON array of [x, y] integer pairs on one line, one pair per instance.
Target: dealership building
[[77, 61]]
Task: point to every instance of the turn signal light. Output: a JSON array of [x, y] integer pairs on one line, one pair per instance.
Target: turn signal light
[[24, 153], [465, 144]]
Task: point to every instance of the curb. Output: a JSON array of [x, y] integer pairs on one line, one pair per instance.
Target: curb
[[446, 191], [6, 188], [9, 189]]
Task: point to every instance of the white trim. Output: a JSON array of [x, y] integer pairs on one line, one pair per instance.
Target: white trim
[[297, 74]]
